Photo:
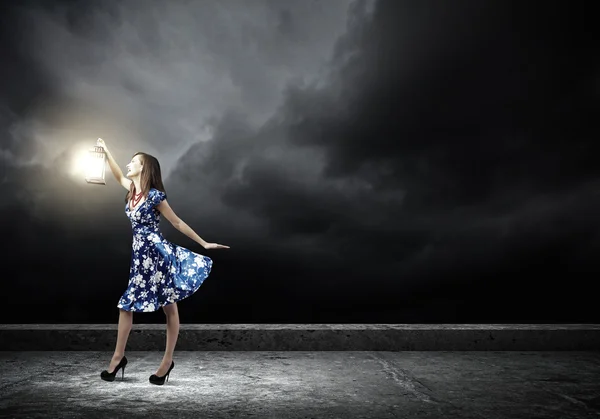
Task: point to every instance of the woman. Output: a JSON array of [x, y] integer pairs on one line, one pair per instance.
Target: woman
[[161, 272]]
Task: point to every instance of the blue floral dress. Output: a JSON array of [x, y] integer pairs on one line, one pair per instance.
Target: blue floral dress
[[161, 272]]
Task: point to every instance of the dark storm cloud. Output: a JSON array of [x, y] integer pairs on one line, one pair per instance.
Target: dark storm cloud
[[21, 84], [151, 74], [439, 143], [145, 76], [459, 103], [446, 138]]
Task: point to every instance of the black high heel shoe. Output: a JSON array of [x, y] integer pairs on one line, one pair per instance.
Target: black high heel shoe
[[110, 376], [155, 379]]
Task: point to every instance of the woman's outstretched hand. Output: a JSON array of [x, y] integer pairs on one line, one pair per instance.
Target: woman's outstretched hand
[[101, 143], [215, 246]]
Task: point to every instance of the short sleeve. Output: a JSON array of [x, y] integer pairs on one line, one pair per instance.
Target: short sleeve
[[159, 196]]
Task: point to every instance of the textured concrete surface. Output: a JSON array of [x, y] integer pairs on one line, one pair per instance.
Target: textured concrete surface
[[307, 337], [283, 385]]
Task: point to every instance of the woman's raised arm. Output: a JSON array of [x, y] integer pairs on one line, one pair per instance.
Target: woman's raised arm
[[114, 167]]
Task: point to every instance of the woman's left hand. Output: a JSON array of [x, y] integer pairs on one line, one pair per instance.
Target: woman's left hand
[[215, 246]]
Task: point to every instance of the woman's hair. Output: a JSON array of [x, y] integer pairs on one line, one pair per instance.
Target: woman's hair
[[149, 178]]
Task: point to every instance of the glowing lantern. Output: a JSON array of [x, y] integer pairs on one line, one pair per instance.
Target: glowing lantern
[[96, 165]]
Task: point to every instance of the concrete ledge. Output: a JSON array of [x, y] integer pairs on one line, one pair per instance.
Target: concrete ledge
[[307, 337]]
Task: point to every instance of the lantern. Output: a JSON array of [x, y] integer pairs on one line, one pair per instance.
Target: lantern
[[95, 166]]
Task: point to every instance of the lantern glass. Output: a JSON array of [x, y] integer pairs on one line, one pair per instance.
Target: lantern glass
[[95, 166]]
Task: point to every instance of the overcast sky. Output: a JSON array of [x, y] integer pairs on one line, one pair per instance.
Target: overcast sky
[[366, 161]]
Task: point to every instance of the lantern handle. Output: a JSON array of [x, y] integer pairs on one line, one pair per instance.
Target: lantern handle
[[99, 146]]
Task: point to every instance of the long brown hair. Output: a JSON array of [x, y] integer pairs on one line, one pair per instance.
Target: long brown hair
[[149, 178]]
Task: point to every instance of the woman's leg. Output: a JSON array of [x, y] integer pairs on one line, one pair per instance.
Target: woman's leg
[[125, 324], [172, 334]]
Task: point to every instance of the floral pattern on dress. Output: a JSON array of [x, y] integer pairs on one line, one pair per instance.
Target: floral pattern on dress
[[161, 273]]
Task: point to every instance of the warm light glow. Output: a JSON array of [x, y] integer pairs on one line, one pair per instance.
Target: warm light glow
[[86, 166], [95, 167], [81, 159]]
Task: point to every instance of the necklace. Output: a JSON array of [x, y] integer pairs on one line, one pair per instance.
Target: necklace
[[136, 199]]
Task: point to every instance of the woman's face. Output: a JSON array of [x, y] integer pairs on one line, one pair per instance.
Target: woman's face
[[134, 168]]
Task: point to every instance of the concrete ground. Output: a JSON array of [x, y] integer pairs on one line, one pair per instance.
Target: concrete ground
[[291, 384]]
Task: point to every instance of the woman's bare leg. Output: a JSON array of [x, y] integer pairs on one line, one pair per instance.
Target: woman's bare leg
[[172, 333], [125, 324]]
